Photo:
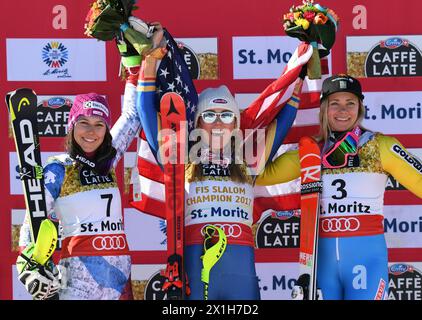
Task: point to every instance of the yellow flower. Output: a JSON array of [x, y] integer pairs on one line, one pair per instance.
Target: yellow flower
[[302, 22]]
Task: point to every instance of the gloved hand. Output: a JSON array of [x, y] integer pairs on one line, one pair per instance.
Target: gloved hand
[[130, 57], [154, 31], [130, 60], [301, 290], [42, 282], [141, 26]]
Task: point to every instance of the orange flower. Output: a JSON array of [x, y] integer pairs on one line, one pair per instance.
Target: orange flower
[[93, 13], [288, 16], [320, 18]]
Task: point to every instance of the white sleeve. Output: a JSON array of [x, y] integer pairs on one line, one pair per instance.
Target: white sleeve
[[128, 125], [25, 232]]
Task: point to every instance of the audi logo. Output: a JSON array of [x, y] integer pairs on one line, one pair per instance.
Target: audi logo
[[109, 243], [340, 224], [230, 230]]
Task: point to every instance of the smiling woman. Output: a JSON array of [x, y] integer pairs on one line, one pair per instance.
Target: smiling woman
[[218, 182], [352, 253], [343, 110], [89, 133], [83, 196], [89, 123]]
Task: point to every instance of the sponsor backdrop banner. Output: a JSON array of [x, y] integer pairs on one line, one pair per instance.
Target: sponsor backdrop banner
[[246, 50], [55, 60], [384, 56], [261, 57]]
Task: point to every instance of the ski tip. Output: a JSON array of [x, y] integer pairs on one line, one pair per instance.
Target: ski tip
[[171, 96], [307, 140], [21, 90], [18, 98], [172, 105], [308, 145]]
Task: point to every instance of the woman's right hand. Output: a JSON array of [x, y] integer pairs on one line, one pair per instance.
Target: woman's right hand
[[42, 282]]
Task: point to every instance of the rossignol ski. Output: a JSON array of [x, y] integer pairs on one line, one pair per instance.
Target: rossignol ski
[[311, 187], [22, 106], [173, 125]]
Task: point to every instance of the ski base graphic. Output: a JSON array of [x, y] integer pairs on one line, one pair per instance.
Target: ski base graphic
[[311, 187], [173, 125]]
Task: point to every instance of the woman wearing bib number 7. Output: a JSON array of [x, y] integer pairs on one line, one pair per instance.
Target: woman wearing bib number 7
[[352, 253], [83, 195]]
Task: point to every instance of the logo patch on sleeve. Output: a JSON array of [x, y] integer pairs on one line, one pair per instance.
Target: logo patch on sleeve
[[411, 160]]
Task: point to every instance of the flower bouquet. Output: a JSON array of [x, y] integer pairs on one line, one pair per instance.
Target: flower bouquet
[[109, 19], [313, 24]]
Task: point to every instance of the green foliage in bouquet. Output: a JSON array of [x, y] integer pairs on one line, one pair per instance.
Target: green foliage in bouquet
[[108, 20], [313, 24]]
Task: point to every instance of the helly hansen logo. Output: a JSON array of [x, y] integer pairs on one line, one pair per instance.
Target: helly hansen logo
[[96, 105]]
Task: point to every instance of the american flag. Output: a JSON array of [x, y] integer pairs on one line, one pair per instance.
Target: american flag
[[173, 75], [286, 196]]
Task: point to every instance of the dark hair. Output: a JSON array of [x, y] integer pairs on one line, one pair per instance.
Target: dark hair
[[104, 155]]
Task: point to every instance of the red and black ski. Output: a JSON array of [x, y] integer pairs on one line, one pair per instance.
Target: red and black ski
[[173, 130], [22, 106], [311, 187]]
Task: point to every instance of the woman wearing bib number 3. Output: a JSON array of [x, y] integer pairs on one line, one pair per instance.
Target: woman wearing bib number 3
[[352, 253]]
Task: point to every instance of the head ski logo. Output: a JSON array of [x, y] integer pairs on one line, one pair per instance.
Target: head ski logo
[[22, 102], [55, 54], [28, 141]]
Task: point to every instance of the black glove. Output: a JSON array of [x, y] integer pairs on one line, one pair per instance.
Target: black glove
[[42, 282], [301, 290]]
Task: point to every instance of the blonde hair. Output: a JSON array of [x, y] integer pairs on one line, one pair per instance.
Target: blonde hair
[[238, 171], [324, 126]]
